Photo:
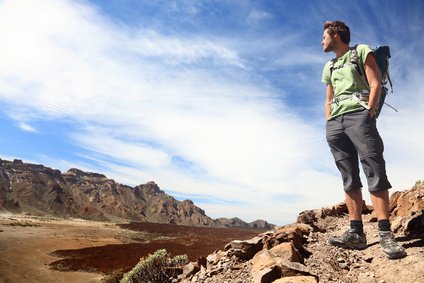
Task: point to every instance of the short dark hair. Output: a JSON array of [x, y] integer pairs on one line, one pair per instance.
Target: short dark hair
[[338, 27]]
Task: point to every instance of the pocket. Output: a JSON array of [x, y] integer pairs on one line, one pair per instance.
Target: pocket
[[365, 113]]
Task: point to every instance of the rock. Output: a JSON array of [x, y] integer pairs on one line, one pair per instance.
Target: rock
[[262, 260], [285, 251], [307, 217], [281, 260], [245, 249], [414, 225], [289, 268], [404, 203], [202, 261], [214, 258], [190, 269], [292, 232], [407, 211], [296, 279], [268, 274]]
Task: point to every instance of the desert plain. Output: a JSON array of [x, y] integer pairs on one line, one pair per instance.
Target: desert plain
[[47, 249]]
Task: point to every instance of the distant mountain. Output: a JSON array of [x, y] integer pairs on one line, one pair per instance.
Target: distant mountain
[[37, 189], [237, 222]]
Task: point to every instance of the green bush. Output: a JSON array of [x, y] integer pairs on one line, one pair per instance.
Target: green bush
[[156, 268]]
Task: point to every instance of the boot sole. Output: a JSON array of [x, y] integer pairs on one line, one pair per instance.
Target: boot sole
[[350, 246], [395, 255]]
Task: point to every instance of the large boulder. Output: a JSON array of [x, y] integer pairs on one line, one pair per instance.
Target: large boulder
[[407, 210]]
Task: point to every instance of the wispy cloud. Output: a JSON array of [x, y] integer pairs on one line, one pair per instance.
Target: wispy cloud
[[27, 128]]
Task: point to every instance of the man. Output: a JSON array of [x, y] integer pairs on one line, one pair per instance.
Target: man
[[351, 131]]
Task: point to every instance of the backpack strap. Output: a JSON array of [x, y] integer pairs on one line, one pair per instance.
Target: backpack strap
[[359, 66], [331, 68], [355, 63]]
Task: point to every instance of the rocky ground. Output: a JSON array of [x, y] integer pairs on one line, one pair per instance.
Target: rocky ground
[[299, 252], [293, 253], [333, 264]]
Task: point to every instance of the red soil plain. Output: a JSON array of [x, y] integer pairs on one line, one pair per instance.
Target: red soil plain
[[36, 249]]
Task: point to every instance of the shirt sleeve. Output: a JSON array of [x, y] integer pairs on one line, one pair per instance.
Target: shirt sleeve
[[363, 51], [326, 74]]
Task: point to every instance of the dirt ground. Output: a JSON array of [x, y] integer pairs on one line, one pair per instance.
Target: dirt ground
[[333, 264], [26, 242], [31, 248]]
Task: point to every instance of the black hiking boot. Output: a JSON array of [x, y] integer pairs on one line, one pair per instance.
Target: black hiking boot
[[349, 240], [390, 247]]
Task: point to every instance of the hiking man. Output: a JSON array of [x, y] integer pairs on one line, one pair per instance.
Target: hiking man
[[351, 130]]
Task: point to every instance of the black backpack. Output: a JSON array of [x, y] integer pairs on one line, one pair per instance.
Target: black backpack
[[382, 56]]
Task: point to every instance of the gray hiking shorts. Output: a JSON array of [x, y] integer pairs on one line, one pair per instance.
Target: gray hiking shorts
[[354, 134]]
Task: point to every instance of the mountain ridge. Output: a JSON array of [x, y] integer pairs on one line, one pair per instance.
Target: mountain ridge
[[37, 189]]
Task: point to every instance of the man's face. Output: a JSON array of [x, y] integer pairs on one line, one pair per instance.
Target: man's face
[[328, 42]]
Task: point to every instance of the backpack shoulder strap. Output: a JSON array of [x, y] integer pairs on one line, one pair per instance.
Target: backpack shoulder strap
[[354, 56], [332, 67], [359, 66]]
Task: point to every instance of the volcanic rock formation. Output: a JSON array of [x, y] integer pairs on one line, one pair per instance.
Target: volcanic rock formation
[[37, 189]]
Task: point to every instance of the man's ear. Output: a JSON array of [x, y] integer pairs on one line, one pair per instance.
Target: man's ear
[[336, 37]]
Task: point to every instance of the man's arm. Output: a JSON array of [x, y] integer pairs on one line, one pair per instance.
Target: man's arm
[[373, 77], [328, 97]]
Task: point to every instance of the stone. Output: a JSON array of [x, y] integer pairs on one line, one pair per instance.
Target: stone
[[245, 250], [296, 279], [286, 252], [281, 260], [289, 268], [266, 275], [190, 269], [213, 259], [407, 211], [404, 203]]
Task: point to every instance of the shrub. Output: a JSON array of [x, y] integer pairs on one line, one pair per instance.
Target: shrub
[[156, 268]]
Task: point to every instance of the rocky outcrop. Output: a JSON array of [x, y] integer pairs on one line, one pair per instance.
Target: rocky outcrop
[[299, 252], [407, 211], [37, 189], [265, 258]]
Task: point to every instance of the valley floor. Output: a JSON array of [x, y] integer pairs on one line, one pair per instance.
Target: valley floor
[[25, 244], [30, 246]]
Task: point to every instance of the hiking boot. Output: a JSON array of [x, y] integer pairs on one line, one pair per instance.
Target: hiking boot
[[349, 240], [389, 245]]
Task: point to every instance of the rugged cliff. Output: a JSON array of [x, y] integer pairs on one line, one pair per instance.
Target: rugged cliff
[[37, 189]]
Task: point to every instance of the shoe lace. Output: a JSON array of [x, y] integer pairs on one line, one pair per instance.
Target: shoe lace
[[389, 241]]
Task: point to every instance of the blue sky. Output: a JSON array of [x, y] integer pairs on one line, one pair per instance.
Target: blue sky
[[220, 102]]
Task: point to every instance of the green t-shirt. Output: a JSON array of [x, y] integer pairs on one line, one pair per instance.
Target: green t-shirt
[[346, 80]]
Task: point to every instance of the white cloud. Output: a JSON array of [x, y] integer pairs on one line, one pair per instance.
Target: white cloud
[[256, 15], [173, 50], [27, 128]]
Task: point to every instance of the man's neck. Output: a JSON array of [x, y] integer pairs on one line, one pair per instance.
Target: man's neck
[[341, 49]]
